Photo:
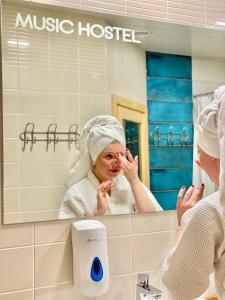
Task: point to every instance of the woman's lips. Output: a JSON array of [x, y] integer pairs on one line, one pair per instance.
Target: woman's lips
[[114, 171]]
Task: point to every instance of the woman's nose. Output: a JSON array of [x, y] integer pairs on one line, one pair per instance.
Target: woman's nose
[[115, 162]]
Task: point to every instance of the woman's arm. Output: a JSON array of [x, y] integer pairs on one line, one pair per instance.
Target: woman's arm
[[187, 267], [130, 168]]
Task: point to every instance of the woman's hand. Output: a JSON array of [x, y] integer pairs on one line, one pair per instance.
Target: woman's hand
[[129, 167], [187, 200], [102, 204]]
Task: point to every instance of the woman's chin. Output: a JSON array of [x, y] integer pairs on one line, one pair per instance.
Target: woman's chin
[[113, 174]]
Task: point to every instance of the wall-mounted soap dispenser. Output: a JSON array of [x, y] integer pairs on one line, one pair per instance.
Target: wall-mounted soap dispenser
[[90, 257]]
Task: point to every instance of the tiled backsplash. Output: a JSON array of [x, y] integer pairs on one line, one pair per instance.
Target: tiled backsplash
[[38, 257]]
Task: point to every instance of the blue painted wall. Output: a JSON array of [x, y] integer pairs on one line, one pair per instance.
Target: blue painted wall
[[169, 91]]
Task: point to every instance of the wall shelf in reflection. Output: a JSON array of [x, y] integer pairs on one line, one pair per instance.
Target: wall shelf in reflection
[[51, 136]]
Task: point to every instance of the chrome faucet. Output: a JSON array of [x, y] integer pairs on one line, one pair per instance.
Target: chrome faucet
[[144, 290]]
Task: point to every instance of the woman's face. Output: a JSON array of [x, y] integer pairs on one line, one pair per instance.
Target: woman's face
[[107, 165], [209, 164]]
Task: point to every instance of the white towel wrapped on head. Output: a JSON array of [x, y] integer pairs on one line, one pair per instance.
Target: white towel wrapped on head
[[207, 130], [97, 133]]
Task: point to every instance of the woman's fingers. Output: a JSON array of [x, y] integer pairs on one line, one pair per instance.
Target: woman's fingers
[[189, 193], [124, 163], [180, 196], [106, 185], [129, 156], [198, 194]]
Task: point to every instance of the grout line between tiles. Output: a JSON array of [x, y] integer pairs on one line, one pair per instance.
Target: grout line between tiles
[[15, 291]]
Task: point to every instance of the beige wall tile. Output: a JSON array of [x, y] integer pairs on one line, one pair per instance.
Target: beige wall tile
[[10, 101], [60, 173], [62, 152], [34, 103], [16, 235], [93, 83], [35, 174], [143, 223], [158, 7], [149, 250], [11, 218], [16, 272], [64, 291], [53, 264], [120, 287], [37, 154], [53, 232], [91, 106], [34, 78], [146, 13], [119, 249], [117, 225], [11, 151], [65, 104], [11, 200], [109, 5], [21, 295], [11, 175], [35, 216], [35, 198], [11, 126], [64, 81], [10, 76]]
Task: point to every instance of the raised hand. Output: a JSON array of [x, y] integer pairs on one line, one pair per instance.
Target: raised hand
[[129, 167], [188, 199], [102, 203]]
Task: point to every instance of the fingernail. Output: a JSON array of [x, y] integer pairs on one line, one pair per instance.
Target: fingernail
[[192, 185], [127, 149], [183, 187], [203, 184]]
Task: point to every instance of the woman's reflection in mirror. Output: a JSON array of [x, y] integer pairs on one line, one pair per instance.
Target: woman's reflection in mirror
[[104, 178]]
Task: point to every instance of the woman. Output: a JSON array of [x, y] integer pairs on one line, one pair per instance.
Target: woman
[[200, 248], [97, 185]]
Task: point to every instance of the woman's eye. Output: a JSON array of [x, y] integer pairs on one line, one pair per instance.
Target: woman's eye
[[109, 156]]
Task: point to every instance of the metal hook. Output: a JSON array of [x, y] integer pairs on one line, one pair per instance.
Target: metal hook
[[72, 132], [49, 132], [25, 138], [170, 137]]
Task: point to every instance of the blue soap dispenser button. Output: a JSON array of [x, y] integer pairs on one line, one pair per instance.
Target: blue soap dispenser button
[[96, 270]]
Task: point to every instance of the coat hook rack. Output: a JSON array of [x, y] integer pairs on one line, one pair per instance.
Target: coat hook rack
[[171, 137], [51, 136]]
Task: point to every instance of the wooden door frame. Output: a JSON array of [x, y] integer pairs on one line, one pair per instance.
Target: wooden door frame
[[118, 101]]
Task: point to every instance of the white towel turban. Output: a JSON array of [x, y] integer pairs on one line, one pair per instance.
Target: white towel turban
[[97, 133], [207, 127]]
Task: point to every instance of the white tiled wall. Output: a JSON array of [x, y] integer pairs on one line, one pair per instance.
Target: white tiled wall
[[201, 13], [207, 75], [35, 258]]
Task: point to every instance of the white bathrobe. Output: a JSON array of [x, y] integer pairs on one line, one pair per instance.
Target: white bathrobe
[[80, 200], [201, 250]]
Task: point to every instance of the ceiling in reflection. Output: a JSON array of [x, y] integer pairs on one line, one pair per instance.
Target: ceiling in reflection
[[177, 39]]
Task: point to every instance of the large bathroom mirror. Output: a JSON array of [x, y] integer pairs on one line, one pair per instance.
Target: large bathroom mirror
[[61, 67]]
